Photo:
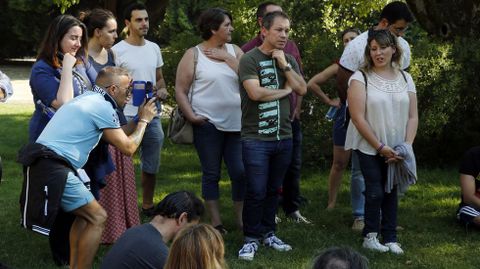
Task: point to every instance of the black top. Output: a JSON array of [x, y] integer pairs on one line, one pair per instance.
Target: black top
[[470, 165], [139, 247]]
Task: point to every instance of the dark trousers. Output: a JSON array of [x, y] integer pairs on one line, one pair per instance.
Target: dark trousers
[[265, 163], [212, 146], [291, 184], [380, 207]]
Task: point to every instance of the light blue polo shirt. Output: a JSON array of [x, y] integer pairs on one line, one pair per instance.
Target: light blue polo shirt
[[77, 126]]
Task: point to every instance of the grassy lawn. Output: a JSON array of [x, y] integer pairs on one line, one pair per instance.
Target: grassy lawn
[[431, 239]]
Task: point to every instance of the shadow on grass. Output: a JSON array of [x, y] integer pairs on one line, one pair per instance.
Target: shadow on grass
[[431, 236]]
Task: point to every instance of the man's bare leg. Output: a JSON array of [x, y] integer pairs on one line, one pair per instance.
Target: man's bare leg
[[85, 234], [148, 188]]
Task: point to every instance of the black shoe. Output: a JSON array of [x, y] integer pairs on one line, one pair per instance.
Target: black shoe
[[221, 229], [149, 212], [303, 200]]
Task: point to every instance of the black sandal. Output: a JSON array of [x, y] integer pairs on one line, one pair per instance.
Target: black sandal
[[221, 229]]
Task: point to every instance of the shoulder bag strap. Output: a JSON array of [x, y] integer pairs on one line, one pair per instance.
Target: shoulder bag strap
[[195, 61], [403, 75], [366, 92]]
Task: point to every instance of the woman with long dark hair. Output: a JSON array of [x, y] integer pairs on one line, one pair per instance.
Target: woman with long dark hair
[[119, 196]]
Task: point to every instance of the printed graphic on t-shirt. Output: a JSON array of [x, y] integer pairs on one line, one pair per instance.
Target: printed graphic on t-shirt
[[269, 112]]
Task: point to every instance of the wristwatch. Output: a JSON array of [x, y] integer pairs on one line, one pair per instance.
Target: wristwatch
[[288, 67]]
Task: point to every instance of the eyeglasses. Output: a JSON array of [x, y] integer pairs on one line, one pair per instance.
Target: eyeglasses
[[399, 30], [128, 90]]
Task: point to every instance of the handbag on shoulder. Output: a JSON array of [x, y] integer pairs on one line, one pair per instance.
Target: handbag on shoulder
[[180, 130]]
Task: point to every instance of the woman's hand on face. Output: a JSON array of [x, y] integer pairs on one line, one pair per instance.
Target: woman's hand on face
[[216, 54], [68, 60]]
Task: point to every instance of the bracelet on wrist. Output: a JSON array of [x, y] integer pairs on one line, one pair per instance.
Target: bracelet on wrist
[[135, 119], [144, 120], [380, 147]]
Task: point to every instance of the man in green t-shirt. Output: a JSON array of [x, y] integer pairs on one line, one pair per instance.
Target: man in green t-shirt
[[267, 77]]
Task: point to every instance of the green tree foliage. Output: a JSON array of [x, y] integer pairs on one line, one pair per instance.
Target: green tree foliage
[[445, 72], [23, 23], [65, 4]]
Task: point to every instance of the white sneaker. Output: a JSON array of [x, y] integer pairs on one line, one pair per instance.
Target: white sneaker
[[247, 252], [277, 219], [394, 247], [371, 242], [275, 243]]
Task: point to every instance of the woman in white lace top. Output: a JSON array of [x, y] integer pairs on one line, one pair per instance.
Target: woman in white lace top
[[383, 111]]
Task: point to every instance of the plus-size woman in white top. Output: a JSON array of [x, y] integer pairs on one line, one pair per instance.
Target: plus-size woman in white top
[[215, 108], [384, 115]]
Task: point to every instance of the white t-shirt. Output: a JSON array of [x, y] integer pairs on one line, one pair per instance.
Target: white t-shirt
[[141, 61], [216, 95], [387, 109], [353, 56]]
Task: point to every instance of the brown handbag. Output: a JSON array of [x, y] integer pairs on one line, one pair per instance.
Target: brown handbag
[[180, 130]]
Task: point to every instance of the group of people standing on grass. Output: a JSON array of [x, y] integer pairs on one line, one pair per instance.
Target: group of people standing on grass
[[244, 105]]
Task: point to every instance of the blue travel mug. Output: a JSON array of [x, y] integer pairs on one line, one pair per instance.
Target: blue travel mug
[[138, 92]]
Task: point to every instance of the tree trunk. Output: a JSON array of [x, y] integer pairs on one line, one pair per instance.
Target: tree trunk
[[447, 18]]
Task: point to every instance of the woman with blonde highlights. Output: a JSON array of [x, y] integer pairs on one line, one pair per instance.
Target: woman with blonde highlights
[[383, 107], [198, 246]]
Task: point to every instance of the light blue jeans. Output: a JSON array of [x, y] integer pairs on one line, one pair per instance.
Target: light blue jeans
[[357, 188]]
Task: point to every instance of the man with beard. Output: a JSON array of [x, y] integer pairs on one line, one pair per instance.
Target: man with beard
[[144, 61], [51, 164]]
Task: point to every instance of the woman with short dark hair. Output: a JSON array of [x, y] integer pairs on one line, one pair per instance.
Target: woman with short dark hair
[[214, 109]]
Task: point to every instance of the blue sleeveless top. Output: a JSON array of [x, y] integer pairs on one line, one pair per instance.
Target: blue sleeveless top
[[97, 66]]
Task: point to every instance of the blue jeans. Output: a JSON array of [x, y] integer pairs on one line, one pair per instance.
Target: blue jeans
[[357, 187], [379, 205], [291, 183], [212, 146], [266, 163]]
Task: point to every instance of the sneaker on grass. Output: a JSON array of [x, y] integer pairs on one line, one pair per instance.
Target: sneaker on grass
[[371, 242], [247, 252], [394, 247], [275, 243], [358, 224]]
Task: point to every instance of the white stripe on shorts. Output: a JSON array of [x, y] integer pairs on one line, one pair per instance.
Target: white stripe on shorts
[[470, 211]]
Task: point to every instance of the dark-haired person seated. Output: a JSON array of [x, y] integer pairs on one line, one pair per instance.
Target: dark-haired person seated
[[340, 258], [469, 209], [144, 246]]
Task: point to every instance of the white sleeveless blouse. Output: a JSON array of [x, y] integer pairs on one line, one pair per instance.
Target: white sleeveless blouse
[[216, 95]]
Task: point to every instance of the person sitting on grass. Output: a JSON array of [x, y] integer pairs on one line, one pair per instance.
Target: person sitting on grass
[[340, 258], [144, 246], [198, 246], [468, 211]]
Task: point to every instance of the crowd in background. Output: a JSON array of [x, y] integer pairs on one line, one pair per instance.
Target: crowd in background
[[244, 104]]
